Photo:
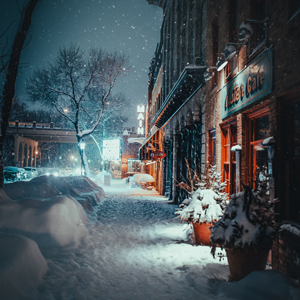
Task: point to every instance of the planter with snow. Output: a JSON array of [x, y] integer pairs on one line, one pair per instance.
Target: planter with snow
[[246, 230], [205, 204], [202, 209]]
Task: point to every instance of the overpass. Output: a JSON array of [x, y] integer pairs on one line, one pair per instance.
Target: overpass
[[27, 135]]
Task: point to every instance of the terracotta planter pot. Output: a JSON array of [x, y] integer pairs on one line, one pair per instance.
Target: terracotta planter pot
[[243, 261], [202, 233]]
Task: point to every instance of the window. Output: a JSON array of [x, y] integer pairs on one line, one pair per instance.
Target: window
[[215, 50], [228, 160], [231, 66], [294, 6], [233, 21], [212, 147], [259, 13], [258, 154]]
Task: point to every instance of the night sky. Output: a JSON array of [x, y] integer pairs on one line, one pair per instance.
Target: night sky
[[128, 26]]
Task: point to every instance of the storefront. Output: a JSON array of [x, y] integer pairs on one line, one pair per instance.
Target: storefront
[[246, 122]]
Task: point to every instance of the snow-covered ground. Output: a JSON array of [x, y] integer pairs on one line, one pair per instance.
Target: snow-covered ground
[[135, 249]]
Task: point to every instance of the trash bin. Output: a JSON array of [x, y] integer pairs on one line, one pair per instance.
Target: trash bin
[[107, 179]]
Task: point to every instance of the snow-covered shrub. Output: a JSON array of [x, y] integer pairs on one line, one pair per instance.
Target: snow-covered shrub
[[248, 218], [206, 201]]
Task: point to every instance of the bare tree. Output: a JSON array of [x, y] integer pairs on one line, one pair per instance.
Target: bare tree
[[11, 70], [78, 87]]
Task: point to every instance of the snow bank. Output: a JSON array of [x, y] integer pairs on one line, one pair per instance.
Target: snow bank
[[31, 189], [22, 266], [59, 221], [85, 191], [86, 187]]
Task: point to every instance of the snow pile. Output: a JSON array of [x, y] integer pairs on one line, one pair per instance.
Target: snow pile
[[204, 206], [248, 219], [59, 221], [22, 266], [31, 189], [99, 178]]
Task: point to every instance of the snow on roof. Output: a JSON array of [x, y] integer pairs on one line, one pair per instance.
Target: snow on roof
[[125, 132]]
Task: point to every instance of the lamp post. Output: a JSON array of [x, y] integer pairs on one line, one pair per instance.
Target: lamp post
[[82, 147]]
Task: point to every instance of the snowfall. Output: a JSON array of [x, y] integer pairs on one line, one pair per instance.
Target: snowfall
[[124, 244]]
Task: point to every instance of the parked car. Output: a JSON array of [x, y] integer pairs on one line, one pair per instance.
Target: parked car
[[31, 172], [12, 174]]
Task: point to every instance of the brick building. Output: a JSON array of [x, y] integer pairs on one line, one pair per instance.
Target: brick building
[[176, 98], [245, 116], [254, 101]]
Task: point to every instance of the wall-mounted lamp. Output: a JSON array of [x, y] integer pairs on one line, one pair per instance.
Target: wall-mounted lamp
[[246, 30], [229, 51], [208, 75], [221, 62]]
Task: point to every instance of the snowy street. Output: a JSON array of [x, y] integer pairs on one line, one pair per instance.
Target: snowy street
[[136, 250]]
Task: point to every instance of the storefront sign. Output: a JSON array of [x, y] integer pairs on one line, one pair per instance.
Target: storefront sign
[[157, 155], [253, 83]]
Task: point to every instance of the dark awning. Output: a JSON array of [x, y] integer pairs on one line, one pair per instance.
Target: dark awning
[[188, 82]]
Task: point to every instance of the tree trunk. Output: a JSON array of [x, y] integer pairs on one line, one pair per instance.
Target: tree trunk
[[11, 74]]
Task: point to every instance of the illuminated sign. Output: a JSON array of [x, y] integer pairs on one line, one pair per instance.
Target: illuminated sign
[[250, 85], [141, 118], [140, 130], [141, 108], [111, 149]]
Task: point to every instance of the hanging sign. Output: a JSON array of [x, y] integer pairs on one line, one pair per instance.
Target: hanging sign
[[250, 85], [157, 155]]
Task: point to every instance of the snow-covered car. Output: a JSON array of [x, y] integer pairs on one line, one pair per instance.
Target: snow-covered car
[[24, 174], [31, 172], [12, 174]]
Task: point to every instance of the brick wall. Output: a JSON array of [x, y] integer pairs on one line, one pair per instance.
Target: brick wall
[[286, 254]]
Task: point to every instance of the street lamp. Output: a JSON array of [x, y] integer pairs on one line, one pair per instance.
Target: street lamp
[[82, 147]]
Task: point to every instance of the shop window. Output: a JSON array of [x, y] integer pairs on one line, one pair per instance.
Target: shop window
[[229, 139], [259, 154], [212, 147]]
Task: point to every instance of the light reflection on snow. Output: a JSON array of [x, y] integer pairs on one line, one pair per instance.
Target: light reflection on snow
[[137, 250]]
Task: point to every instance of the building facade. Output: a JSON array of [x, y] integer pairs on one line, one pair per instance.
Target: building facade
[[227, 92], [252, 104], [176, 99]]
